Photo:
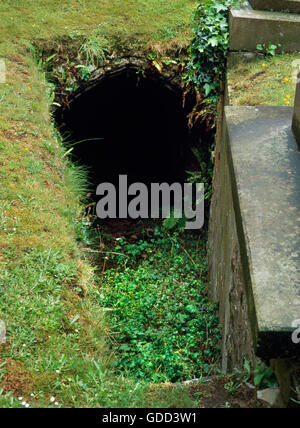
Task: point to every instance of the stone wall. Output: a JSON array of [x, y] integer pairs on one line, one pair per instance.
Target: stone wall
[[228, 276]]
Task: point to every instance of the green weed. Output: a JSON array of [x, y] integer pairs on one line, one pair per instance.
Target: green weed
[[165, 328]]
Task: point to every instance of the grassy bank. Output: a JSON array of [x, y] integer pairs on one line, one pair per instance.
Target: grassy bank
[[146, 21]]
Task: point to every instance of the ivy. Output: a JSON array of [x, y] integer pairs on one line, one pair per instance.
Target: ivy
[[209, 47]]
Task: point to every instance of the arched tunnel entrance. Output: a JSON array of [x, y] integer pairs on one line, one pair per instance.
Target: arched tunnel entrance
[[128, 123]]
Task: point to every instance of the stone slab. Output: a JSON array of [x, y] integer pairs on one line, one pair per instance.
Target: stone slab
[[248, 28], [296, 117], [292, 6], [265, 166]]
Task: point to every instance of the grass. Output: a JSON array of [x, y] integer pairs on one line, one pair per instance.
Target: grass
[[265, 81], [41, 266], [143, 20]]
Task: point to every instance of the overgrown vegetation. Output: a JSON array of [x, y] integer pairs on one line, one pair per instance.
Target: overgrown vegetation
[[55, 303], [209, 47], [163, 325]]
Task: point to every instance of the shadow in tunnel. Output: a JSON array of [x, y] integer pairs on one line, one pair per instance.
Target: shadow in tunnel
[[128, 124]]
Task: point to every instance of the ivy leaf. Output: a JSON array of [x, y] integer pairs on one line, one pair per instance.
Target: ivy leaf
[[258, 379], [213, 41], [207, 89]]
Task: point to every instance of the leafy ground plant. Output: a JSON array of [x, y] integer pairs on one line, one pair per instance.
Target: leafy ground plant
[[165, 328], [264, 377]]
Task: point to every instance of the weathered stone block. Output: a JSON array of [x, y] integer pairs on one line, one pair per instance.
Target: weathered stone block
[[270, 396], [248, 28], [292, 6], [296, 117]]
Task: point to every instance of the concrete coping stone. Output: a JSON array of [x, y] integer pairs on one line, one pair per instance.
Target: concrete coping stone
[[265, 170]]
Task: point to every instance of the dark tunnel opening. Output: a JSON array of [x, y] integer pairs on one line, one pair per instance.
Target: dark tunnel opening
[[128, 124]]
